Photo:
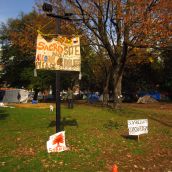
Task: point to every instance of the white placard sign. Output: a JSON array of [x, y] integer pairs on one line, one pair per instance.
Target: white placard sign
[[137, 127], [56, 142]]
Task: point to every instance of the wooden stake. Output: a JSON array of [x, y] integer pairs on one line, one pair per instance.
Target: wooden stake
[[138, 138]]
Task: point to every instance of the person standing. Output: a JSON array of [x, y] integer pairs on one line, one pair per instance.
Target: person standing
[[70, 98], [18, 97]]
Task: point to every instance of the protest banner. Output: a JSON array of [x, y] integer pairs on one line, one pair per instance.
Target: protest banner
[[137, 127], [56, 142], [59, 53]]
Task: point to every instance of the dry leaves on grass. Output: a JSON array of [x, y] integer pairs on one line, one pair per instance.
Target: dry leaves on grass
[[24, 151]]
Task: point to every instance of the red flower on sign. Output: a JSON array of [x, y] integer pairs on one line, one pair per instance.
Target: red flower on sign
[[58, 139]]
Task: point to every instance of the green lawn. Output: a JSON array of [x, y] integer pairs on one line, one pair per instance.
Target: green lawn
[[97, 139]]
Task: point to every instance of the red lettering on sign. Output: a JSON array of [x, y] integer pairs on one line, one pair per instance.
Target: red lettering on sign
[[40, 45], [50, 47]]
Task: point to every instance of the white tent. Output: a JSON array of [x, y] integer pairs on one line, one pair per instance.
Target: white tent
[[15, 96]]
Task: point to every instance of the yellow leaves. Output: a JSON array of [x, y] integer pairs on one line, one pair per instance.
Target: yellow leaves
[[151, 59], [138, 56], [148, 50]]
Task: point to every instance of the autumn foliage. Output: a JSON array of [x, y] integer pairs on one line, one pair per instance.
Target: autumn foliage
[[23, 32], [120, 26], [124, 30]]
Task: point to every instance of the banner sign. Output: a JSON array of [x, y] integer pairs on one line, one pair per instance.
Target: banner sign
[[137, 127], [59, 53], [56, 142]]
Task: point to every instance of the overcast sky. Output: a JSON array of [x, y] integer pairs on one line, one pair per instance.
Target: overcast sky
[[12, 8]]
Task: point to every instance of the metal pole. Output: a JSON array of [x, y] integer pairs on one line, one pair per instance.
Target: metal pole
[[58, 117], [58, 101]]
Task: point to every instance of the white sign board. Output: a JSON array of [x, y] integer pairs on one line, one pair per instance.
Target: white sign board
[[59, 53], [137, 127], [56, 142]]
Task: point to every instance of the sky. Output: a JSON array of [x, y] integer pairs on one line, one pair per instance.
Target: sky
[[12, 8]]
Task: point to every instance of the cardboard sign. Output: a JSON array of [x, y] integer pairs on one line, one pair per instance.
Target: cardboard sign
[[59, 53], [56, 142], [137, 127]]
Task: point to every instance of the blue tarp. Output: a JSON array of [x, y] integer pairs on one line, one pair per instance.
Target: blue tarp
[[93, 98]]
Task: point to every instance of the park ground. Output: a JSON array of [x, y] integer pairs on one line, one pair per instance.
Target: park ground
[[97, 138]]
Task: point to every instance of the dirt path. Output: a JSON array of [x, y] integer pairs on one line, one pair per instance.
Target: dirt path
[[156, 106]]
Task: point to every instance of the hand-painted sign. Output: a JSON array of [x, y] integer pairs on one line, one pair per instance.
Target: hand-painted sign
[[56, 143], [60, 53], [137, 127]]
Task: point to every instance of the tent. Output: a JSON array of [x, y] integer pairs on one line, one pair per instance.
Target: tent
[[14, 96]]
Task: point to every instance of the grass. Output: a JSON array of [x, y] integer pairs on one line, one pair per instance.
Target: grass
[[97, 139]]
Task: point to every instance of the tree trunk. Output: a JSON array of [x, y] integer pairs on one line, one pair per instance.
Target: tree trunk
[[106, 91], [117, 76], [117, 89]]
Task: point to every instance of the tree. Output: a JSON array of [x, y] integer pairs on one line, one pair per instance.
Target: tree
[[167, 73], [121, 25], [18, 38], [102, 70], [142, 67]]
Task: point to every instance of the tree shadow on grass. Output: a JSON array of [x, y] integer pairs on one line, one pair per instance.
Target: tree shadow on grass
[[66, 121], [168, 124], [3, 114], [112, 125], [130, 137]]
